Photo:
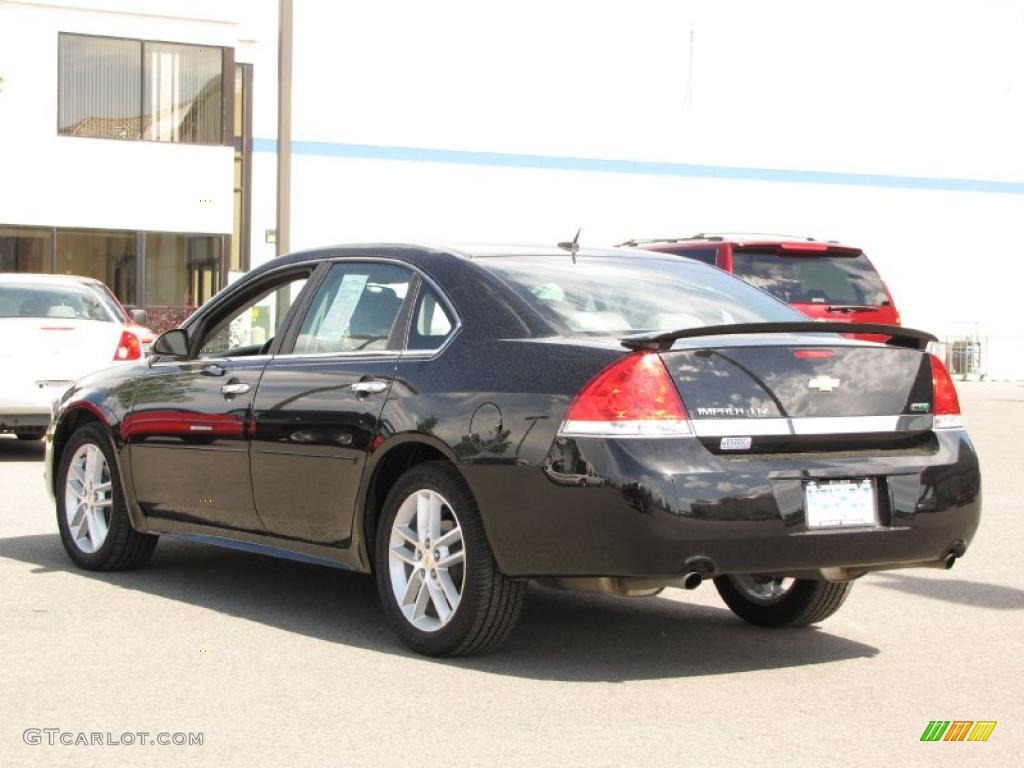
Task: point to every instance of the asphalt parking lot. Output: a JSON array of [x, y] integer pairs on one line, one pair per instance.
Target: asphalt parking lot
[[281, 663]]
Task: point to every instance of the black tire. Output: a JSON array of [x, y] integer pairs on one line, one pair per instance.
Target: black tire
[[30, 434], [806, 602], [124, 548], [490, 603]]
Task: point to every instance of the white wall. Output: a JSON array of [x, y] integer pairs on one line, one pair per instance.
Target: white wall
[[53, 180], [898, 90]]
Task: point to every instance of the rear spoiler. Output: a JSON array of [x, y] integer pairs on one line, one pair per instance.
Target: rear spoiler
[[662, 342]]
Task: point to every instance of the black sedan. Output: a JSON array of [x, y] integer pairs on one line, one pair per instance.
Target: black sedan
[[459, 422]]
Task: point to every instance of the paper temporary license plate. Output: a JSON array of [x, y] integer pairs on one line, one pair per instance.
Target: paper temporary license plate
[[840, 503]]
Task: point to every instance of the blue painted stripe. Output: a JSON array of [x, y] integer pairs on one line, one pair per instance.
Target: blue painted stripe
[[639, 167]]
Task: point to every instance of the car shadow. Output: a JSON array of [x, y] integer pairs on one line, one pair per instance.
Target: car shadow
[[562, 636], [976, 594], [12, 449]]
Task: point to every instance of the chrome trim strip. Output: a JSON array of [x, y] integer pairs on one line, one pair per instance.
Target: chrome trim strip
[[626, 429], [835, 425], [810, 425], [740, 427]]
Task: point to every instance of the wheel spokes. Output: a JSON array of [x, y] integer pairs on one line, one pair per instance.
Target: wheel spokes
[[403, 554], [88, 498], [425, 543], [439, 599]]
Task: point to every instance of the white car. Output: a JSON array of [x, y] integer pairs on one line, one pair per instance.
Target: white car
[[54, 329]]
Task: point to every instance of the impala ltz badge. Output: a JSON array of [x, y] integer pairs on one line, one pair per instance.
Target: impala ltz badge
[[823, 383]]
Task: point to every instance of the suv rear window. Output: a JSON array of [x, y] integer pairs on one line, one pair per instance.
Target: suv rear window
[[610, 295], [821, 278]]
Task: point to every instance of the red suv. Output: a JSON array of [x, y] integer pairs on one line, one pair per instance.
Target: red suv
[[824, 280]]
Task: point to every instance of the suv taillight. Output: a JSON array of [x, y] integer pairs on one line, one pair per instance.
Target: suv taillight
[[946, 404], [129, 347], [633, 397]]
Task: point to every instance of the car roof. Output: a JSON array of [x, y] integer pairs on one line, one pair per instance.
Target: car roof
[[735, 238], [416, 252], [40, 278]]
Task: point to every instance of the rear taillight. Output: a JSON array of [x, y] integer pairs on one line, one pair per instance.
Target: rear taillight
[[945, 405], [633, 397], [129, 347]]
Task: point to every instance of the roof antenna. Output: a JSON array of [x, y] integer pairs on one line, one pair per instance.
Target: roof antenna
[[572, 247]]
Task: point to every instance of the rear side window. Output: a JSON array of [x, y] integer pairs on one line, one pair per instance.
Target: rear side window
[[354, 309], [821, 278], [431, 321], [618, 295]]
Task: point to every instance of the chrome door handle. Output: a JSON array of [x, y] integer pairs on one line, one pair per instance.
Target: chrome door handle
[[372, 387], [234, 389]]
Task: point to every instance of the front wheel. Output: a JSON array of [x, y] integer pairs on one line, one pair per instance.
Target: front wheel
[[769, 601], [91, 512], [437, 577]]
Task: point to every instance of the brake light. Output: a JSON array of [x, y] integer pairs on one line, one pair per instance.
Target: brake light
[[807, 247], [129, 347], [633, 397], [813, 354], [946, 404]]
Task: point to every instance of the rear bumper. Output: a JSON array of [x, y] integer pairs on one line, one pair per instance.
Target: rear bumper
[[28, 404], [651, 508]]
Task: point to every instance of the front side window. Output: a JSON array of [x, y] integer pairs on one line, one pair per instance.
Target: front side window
[[113, 88], [619, 295], [250, 329], [355, 309]]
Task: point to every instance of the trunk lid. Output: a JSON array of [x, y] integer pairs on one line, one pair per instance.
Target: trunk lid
[[50, 349], [802, 393]]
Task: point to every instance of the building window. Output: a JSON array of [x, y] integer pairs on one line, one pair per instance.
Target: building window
[[26, 249], [106, 255], [113, 88], [169, 274], [182, 271], [99, 87]]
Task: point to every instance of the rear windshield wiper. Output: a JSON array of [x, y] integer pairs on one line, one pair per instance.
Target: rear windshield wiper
[[849, 308], [898, 335]]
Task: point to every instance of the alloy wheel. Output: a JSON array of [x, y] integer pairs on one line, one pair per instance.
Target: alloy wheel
[[88, 498], [763, 590], [427, 560]]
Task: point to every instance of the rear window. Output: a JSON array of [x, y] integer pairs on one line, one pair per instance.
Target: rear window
[[825, 278], [616, 295], [65, 302]]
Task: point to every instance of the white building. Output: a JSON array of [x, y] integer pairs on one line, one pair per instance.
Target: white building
[[895, 127]]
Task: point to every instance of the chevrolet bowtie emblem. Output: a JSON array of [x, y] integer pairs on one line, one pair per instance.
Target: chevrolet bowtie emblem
[[823, 383]]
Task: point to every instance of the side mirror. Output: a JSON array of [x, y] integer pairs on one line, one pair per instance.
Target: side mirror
[[173, 343], [139, 316]]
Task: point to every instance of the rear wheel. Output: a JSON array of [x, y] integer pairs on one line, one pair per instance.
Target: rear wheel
[[770, 601], [437, 578], [91, 512]]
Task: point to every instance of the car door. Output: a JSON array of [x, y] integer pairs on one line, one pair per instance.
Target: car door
[[318, 405], [189, 427]]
